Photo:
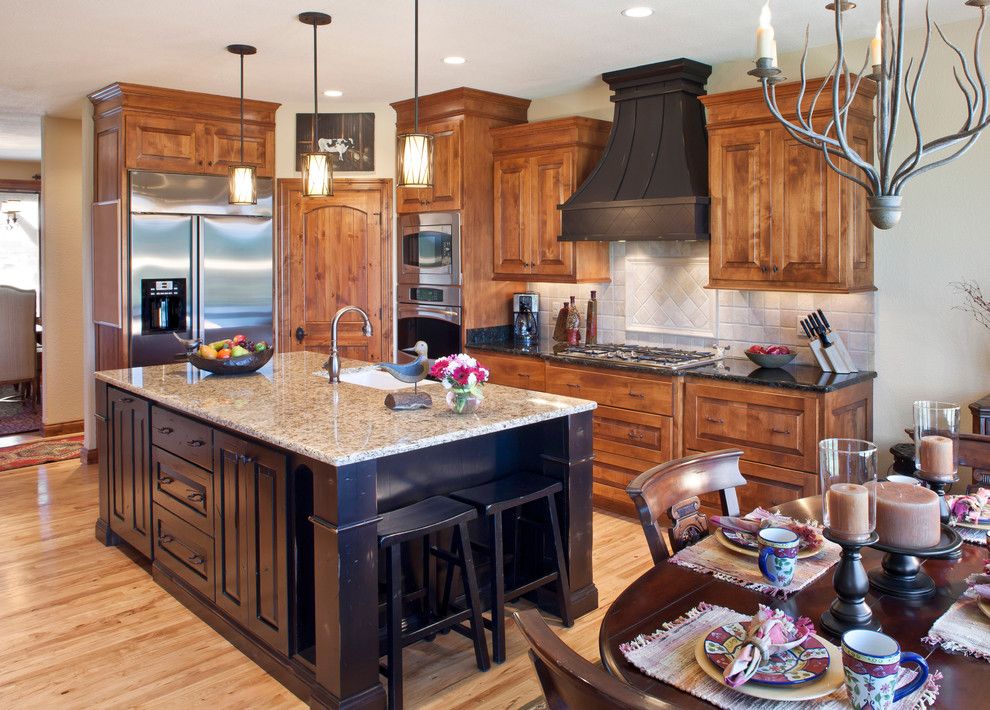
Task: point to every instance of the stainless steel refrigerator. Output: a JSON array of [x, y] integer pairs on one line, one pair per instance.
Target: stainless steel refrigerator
[[200, 267]]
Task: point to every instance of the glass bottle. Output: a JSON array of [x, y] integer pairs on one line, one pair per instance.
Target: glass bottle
[[573, 324], [591, 322]]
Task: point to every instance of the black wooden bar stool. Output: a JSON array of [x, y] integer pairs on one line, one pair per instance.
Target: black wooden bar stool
[[422, 521], [511, 494]]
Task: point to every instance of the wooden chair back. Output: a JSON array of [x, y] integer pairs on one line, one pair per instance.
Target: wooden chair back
[[667, 498], [569, 681], [17, 310]]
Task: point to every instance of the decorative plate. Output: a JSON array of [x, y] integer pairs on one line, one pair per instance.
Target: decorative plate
[[984, 606], [973, 526], [745, 544], [801, 664]]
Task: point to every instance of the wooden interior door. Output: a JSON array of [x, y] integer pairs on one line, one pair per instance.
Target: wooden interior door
[[335, 252], [553, 183]]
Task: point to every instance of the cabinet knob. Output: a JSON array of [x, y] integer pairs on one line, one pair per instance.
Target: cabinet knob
[[636, 435], [196, 559], [196, 497], [713, 420], [247, 459], [166, 480], [300, 334], [196, 443], [165, 429], [775, 430], [126, 400], [165, 539], [775, 268], [523, 374], [637, 395], [575, 385], [763, 268]]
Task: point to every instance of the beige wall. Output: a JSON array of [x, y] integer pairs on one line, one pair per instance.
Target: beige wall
[[19, 169], [924, 348], [62, 269]]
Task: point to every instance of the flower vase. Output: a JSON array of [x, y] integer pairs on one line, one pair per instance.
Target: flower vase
[[463, 401]]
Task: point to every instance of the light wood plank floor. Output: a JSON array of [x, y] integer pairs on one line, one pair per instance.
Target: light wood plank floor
[[83, 626]]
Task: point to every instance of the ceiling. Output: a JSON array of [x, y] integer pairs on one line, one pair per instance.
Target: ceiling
[[54, 52]]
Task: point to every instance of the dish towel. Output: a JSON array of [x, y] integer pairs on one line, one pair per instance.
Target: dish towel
[[710, 557], [963, 629], [668, 655]]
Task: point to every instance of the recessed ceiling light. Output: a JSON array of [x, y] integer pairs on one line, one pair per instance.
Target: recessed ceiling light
[[638, 12], [454, 60], [333, 93]]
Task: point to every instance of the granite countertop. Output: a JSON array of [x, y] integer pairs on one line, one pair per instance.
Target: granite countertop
[[796, 377], [285, 404]]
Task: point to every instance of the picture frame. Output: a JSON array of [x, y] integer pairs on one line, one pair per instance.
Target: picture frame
[[348, 137]]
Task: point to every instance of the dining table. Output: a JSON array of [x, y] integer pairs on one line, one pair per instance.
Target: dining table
[[668, 591]]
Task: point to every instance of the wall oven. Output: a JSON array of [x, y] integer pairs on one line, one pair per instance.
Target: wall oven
[[431, 314], [429, 249]]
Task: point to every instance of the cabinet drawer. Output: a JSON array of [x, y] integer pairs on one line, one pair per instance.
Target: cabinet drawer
[[182, 436], [640, 394], [635, 434], [183, 488], [611, 473], [524, 372], [771, 427], [184, 550]]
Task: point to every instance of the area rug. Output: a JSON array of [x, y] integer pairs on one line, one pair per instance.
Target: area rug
[[39, 452], [17, 417]]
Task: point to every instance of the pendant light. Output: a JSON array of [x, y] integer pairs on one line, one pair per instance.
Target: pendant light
[[242, 183], [414, 152], [317, 167]]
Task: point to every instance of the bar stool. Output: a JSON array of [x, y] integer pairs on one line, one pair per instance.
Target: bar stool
[[422, 521], [511, 494]]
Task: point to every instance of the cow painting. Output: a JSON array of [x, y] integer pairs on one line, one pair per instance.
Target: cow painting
[[348, 137]]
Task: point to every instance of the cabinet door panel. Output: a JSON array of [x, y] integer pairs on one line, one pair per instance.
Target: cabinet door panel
[[163, 143], [446, 166], [223, 148], [231, 530], [806, 244], [513, 244], [741, 204], [552, 184], [130, 474]]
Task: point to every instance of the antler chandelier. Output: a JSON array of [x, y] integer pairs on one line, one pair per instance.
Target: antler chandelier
[[897, 85]]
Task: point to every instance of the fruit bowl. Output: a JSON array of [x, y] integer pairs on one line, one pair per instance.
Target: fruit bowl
[[235, 365], [770, 356]]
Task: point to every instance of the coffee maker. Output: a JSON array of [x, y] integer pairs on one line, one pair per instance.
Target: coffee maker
[[526, 318]]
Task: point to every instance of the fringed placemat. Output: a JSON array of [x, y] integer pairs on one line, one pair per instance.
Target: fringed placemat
[[973, 536], [668, 656], [963, 629], [711, 557]]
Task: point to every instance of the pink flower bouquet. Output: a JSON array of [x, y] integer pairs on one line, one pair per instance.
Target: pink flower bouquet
[[462, 376], [768, 633]]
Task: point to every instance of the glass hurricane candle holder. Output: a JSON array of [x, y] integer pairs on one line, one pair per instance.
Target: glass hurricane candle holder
[[848, 473], [936, 440]]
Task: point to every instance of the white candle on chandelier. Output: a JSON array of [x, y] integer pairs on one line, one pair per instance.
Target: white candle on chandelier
[[764, 34], [876, 48], [773, 55]]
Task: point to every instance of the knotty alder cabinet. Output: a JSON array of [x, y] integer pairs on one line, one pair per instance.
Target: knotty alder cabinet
[[781, 219], [161, 130], [538, 166]]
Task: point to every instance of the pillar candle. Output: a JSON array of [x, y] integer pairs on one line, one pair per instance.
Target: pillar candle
[[907, 515], [764, 34], [936, 457], [876, 48], [849, 511]]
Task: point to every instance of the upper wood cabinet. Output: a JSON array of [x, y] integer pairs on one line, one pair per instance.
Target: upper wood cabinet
[[445, 195], [781, 218], [537, 167]]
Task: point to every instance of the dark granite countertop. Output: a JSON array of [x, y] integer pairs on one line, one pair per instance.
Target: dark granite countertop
[[806, 378]]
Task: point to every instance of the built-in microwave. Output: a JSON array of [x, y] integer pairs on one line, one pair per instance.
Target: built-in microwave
[[429, 249]]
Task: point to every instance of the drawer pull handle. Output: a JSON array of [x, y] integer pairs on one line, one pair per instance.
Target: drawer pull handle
[[197, 559], [165, 430], [165, 539], [775, 430], [637, 435], [713, 420], [575, 385], [247, 458], [523, 374], [637, 395], [196, 443], [126, 400], [196, 497], [166, 480]]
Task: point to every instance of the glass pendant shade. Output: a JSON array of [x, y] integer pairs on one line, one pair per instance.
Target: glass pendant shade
[[242, 185], [317, 175], [415, 160]]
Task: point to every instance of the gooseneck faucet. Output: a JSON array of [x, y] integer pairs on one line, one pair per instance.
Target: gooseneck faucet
[[332, 365]]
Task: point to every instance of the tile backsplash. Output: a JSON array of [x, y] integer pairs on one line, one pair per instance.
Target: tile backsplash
[[657, 298]]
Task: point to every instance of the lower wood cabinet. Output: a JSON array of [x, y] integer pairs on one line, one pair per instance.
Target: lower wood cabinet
[[526, 373], [251, 548], [184, 550], [129, 470]]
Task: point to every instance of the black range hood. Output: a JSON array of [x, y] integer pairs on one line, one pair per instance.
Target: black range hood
[[652, 180]]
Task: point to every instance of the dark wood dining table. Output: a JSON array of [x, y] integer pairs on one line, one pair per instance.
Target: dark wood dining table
[[667, 591]]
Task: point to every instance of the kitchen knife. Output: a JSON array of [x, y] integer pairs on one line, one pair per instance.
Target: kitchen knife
[[832, 354], [816, 347], [837, 339], [807, 330]]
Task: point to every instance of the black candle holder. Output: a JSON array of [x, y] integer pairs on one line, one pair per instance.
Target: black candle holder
[[849, 610], [900, 574]]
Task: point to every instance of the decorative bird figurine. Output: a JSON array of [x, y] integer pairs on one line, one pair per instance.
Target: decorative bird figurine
[[413, 372]]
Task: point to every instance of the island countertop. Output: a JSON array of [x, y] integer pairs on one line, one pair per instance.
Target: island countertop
[[289, 406]]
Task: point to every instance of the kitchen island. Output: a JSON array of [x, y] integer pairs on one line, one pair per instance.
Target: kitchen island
[[256, 499]]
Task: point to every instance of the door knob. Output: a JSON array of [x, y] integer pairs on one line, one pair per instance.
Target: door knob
[[300, 334]]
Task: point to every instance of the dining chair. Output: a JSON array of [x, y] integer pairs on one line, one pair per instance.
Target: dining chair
[[667, 498], [19, 364], [569, 681]]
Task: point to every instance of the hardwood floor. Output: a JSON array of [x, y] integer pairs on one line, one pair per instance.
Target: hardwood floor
[[85, 626]]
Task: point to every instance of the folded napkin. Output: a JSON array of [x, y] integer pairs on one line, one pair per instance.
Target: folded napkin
[[969, 508], [753, 522], [768, 633], [979, 585]]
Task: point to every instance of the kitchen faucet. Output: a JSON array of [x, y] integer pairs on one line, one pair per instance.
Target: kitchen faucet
[[332, 365]]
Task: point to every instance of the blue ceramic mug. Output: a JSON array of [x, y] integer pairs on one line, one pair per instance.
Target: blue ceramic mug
[[871, 661], [778, 554]]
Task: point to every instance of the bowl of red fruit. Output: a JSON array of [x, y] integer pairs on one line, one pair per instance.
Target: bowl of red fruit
[[232, 356], [770, 356]]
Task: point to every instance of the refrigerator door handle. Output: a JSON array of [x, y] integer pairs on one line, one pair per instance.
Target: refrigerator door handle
[[200, 281]]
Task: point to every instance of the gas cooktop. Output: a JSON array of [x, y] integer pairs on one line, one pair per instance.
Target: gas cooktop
[[667, 359]]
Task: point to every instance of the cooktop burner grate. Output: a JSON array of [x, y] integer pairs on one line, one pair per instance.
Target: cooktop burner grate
[[670, 359]]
